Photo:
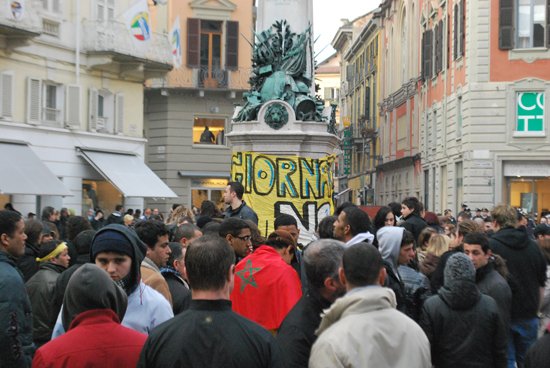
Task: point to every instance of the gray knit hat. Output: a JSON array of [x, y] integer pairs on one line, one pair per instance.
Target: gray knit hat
[[459, 267]]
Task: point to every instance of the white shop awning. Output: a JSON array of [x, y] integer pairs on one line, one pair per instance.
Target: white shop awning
[[128, 173], [22, 172]]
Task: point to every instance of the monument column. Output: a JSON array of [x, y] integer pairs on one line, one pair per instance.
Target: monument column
[[283, 138]]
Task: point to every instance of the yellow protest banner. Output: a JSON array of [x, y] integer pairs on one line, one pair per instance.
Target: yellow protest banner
[[299, 186]]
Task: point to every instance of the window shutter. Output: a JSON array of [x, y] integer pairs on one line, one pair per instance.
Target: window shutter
[[119, 113], [367, 103], [92, 107], [455, 32], [462, 27], [429, 53], [423, 57], [232, 45], [34, 100], [328, 93], [436, 49], [547, 23], [441, 26], [6, 95], [448, 54], [72, 110], [349, 72], [506, 25], [193, 42]]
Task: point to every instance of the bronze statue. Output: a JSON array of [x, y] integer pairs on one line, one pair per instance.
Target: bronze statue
[[279, 62]]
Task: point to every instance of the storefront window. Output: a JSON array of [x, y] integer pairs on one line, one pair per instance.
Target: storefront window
[[530, 194], [208, 189], [99, 194]]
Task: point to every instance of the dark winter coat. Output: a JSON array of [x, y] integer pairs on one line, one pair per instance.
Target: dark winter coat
[[16, 346], [297, 332], [41, 292], [27, 263], [243, 212], [491, 283], [538, 355], [527, 269], [464, 328], [210, 334], [181, 295], [415, 224]]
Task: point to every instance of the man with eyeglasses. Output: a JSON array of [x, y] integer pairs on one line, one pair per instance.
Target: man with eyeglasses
[[238, 235]]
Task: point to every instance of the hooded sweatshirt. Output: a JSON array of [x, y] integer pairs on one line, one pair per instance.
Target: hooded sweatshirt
[[366, 317], [94, 307], [78, 297], [147, 308], [389, 245], [526, 266], [361, 237]]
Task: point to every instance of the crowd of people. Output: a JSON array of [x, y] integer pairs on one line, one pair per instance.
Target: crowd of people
[[410, 288]]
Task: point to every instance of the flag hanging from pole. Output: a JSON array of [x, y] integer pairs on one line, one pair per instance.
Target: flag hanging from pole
[[137, 20], [175, 41]]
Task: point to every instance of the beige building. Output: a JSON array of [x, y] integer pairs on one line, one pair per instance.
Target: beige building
[[199, 97], [71, 116], [358, 42]]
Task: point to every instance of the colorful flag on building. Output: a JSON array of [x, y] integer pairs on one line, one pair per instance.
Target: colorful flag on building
[[137, 21], [175, 42]]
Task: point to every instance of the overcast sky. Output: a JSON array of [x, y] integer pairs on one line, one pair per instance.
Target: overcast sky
[[326, 20]]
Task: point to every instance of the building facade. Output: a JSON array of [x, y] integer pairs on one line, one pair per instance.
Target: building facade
[[399, 173], [71, 77], [188, 113], [464, 90], [358, 41]]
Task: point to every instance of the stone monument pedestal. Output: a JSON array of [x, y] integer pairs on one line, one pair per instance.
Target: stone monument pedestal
[[295, 137]]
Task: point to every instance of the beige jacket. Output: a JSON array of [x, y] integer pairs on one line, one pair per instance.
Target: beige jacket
[[150, 274], [363, 329]]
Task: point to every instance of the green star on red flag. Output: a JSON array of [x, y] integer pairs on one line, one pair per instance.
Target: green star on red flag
[[250, 279]]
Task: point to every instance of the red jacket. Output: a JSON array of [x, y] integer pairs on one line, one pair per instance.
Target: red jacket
[[95, 339], [266, 288]]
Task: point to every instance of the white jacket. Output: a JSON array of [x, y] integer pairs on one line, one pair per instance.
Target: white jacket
[[361, 237], [363, 329], [147, 308]]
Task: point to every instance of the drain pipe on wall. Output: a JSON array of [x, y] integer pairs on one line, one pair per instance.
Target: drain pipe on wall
[[77, 48]]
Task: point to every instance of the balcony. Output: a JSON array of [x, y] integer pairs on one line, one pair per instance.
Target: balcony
[[212, 78], [207, 78], [18, 24], [110, 47]]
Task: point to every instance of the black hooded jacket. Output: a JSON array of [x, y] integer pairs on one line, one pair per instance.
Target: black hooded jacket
[[139, 250], [526, 266], [464, 328]]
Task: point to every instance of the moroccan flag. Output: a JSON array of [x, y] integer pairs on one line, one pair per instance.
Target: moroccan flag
[[266, 288]]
